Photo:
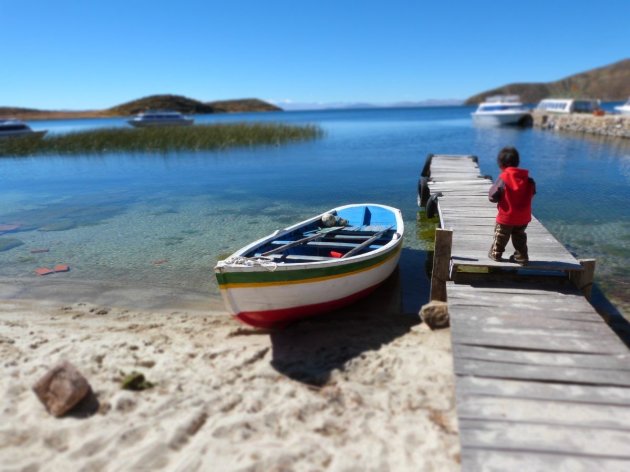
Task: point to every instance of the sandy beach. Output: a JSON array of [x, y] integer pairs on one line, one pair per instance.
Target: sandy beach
[[372, 390]]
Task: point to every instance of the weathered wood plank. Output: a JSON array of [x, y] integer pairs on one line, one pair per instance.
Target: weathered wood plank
[[540, 323], [462, 260], [441, 264], [584, 280], [480, 310], [572, 311], [487, 459], [537, 343], [553, 439], [469, 385], [464, 326], [505, 370], [546, 411]]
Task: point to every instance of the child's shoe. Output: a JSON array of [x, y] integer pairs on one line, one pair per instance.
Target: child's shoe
[[496, 258], [518, 260]]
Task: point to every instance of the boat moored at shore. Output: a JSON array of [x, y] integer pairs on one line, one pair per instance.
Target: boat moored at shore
[[17, 128], [320, 264], [500, 110], [160, 118], [568, 105], [624, 109]]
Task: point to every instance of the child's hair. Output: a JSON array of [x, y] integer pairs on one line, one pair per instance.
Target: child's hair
[[508, 157]]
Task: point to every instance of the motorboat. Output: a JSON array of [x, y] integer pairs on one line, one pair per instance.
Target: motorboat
[[160, 118], [624, 109], [17, 128], [325, 262], [500, 110]]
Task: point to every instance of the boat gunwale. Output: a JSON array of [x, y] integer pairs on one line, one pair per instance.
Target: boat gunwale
[[222, 268]]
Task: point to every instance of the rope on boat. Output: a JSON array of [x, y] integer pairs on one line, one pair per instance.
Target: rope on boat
[[261, 261]]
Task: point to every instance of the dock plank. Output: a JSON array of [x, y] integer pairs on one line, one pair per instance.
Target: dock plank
[[545, 438], [488, 459], [523, 389]]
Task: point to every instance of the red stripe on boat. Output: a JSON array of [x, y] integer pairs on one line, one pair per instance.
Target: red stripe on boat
[[276, 318]]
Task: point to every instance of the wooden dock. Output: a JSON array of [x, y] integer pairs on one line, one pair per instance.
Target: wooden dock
[[542, 383]]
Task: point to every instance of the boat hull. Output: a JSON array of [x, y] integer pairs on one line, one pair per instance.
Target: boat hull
[[265, 304], [155, 124], [498, 119], [24, 134], [273, 295]]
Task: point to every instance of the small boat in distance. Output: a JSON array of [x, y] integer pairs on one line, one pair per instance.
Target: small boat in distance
[[624, 109], [159, 118], [500, 110], [17, 128], [320, 264]]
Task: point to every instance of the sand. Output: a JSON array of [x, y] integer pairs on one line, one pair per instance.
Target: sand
[[362, 392]]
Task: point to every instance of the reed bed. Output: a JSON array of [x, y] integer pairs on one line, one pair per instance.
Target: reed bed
[[163, 139]]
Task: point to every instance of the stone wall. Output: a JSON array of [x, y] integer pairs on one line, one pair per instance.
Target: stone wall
[[607, 125]]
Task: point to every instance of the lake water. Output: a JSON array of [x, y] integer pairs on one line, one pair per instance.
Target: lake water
[[161, 221]]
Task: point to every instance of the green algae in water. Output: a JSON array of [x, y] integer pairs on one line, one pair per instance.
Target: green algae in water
[[613, 250], [173, 240], [425, 229], [64, 216], [9, 243]]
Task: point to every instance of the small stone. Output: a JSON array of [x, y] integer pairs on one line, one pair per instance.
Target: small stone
[[435, 314], [61, 388]]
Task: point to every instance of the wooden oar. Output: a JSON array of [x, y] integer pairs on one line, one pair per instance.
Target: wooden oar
[[366, 242], [313, 237]]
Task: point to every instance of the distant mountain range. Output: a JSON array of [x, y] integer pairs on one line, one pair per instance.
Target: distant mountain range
[[154, 102], [608, 83], [295, 106]]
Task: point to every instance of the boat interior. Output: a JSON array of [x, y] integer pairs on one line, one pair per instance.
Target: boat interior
[[368, 228]]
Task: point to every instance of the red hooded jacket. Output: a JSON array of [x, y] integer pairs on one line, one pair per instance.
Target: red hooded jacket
[[513, 192]]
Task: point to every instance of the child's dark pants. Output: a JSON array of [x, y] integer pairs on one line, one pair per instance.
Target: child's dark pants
[[502, 235]]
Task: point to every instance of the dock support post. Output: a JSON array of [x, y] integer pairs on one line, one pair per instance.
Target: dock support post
[[441, 263], [583, 279]]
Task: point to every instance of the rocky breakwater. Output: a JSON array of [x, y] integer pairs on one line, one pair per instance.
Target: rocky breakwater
[[604, 125]]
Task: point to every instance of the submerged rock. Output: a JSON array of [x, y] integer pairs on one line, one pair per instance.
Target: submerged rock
[[9, 243], [62, 225]]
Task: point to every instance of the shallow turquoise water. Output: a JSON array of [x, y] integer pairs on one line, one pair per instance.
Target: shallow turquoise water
[[163, 220]]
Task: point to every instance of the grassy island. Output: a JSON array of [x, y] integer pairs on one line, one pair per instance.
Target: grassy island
[[163, 139]]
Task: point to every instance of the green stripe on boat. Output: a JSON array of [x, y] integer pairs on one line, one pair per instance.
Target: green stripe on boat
[[258, 277]]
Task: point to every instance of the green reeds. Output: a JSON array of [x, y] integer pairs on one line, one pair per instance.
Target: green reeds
[[162, 139]]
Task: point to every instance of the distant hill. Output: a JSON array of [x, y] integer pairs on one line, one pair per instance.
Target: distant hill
[[608, 83], [242, 105], [179, 103], [161, 102], [33, 114]]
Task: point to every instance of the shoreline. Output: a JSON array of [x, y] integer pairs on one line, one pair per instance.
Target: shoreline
[[326, 393], [615, 126], [108, 293]]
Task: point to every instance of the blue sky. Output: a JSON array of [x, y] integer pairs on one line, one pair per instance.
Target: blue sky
[[81, 54]]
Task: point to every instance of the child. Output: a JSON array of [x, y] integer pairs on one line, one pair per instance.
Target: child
[[513, 192]]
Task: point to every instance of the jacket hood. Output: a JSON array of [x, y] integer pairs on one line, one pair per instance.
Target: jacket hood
[[515, 178]]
